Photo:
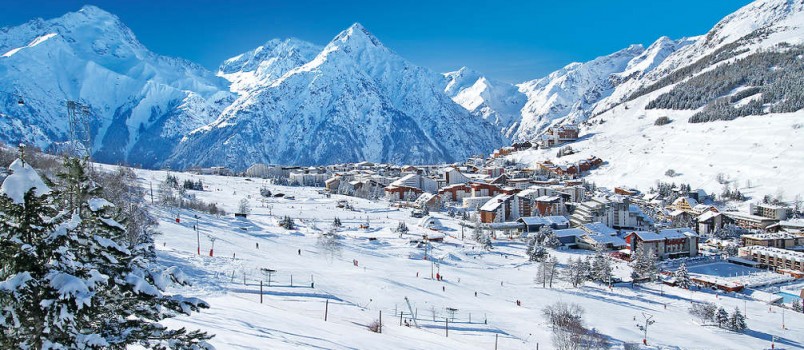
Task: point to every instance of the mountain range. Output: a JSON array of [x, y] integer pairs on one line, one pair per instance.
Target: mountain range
[[293, 102]]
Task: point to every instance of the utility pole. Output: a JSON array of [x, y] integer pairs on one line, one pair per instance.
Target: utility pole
[[197, 235]]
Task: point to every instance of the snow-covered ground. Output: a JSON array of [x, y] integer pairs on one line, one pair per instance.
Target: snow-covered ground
[[638, 153], [367, 276]]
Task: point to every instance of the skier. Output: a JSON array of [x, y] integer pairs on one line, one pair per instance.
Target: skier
[[299, 251], [258, 245]]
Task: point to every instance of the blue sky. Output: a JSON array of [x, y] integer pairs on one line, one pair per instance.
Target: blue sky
[[508, 40]]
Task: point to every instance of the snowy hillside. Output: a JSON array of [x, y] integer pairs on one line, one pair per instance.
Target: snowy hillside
[[141, 103], [356, 100], [731, 72], [368, 271], [567, 95]]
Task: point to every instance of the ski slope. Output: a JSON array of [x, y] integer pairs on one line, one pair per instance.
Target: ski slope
[[389, 268]]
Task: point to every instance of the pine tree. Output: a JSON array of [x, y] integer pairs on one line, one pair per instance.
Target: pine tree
[[551, 240], [77, 283], [535, 251], [737, 321], [683, 277], [644, 263], [797, 306], [722, 317], [601, 268]]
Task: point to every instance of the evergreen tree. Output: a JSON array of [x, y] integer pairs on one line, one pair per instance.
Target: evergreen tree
[[722, 317], [551, 240], [797, 306], [737, 321], [601, 268], [287, 223], [535, 251], [75, 282], [683, 277], [644, 263]]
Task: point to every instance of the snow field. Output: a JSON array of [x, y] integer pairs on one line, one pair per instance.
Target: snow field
[[292, 317]]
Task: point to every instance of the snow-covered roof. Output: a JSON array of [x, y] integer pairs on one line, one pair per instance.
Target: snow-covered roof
[[599, 228], [546, 199], [22, 179], [773, 235], [774, 252], [495, 202], [798, 223], [569, 232], [607, 239], [672, 233], [691, 201], [707, 215]]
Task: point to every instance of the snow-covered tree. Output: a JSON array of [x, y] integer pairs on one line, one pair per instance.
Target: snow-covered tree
[[287, 223], [601, 268], [797, 306], [644, 263], [535, 251], [72, 281], [336, 223], [683, 277], [704, 311], [722, 317], [737, 321], [551, 240], [244, 207], [576, 272], [402, 228]]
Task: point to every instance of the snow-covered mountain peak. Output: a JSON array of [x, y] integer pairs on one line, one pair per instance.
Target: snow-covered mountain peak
[[749, 18], [266, 63], [356, 34]]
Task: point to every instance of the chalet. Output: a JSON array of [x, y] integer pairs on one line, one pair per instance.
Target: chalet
[[502, 152], [794, 226], [710, 221], [684, 204]]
